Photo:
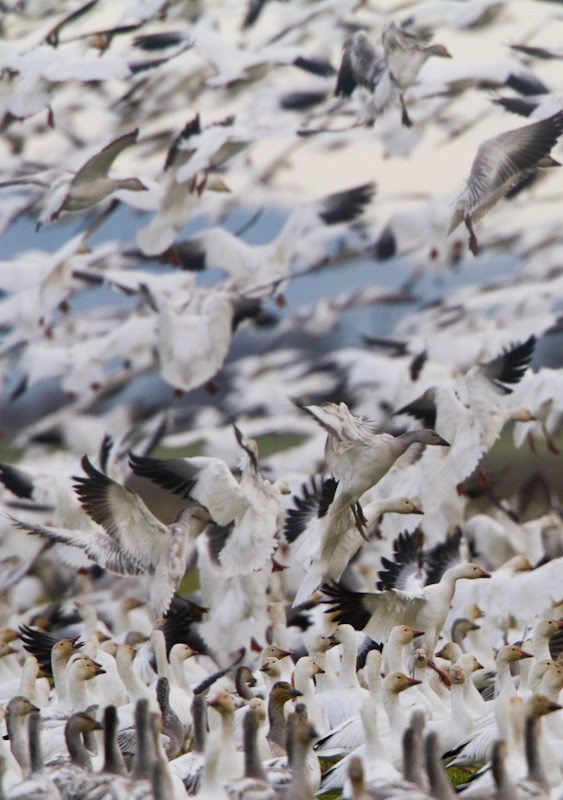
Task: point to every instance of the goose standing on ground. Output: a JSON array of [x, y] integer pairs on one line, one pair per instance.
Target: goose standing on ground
[[91, 183], [252, 503], [405, 55], [377, 613], [501, 163], [327, 542], [356, 456]]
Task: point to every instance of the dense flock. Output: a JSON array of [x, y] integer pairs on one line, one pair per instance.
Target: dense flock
[[241, 555]]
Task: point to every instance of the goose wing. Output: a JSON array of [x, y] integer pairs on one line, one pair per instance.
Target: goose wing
[[99, 165], [209, 481], [123, 515], [500, 160], [376, 613], [83, 549], [509, 366]]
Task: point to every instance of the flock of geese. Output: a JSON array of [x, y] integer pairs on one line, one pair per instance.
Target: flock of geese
[[239, 561]]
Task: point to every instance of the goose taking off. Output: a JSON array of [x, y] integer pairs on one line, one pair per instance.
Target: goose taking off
[[252, 503], [501, 163], [357, 456]]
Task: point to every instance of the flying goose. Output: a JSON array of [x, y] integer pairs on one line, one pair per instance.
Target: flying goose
[[501, 163], [252, 502], [357, 456]]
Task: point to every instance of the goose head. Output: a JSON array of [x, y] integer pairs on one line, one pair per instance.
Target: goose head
[[438, 50], [510, 653], [403, 634], [273, 651], [548, 627], [223, 702], [469, 571], [397, 682], [272, 667], [539, 705], [457, 675]]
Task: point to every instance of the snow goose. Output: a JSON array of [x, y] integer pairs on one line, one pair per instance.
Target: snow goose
[[400, 636], [476, 426], [279, 696], [299, 787], [252, 502], [349, 735], [501, 163], [362, 64], [318, 648], [346, 698], [73, 778], [378, 612], [136, 540], [190, 765], [405, 54], [271, 670], [17, 712], [172, 727], [544, 629], [230, 760], [325, 543], [254, 784], [91, 183], [454, 729], [38, 785], [304, 676], [356, 456], [507, 655], [302, 241], [386, 755]]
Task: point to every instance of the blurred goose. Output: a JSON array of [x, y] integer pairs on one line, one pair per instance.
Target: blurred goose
[[356, 456], [251, 502], [17, 712], [279, 696], [405, 55], [501, 163], [38, 785], [254, 785], [504, 683], [302, 241], [91, 183], [475, 423]]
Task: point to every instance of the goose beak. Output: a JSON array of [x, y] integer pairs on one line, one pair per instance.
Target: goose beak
[[417, 633], [98, 669], [524, 654], [284, 653], [413, 681], [484, 574], [560, 623], [296, 693], [334, 641], [416, 510], [479, 666], [443, 442]]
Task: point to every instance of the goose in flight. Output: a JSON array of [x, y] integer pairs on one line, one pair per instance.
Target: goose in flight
[[406, 52], [252, 502], [475, 425], [501, 163], [358, 457], [91, 183], [135, 542], [324, 544], [423, 608]]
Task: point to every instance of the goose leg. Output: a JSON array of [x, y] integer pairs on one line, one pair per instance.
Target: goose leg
[[405, 119], [359, 519], [473, 246], [549, 441]]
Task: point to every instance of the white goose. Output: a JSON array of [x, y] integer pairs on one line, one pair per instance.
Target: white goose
[[356, 456], [501, 163], [378, 612], [252, 502], [325, 543]]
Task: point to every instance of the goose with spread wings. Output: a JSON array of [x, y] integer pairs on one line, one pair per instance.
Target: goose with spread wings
[[501, 163], [475, 425], [252, 502], [357, 456], [134, 541], [424, 601]]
